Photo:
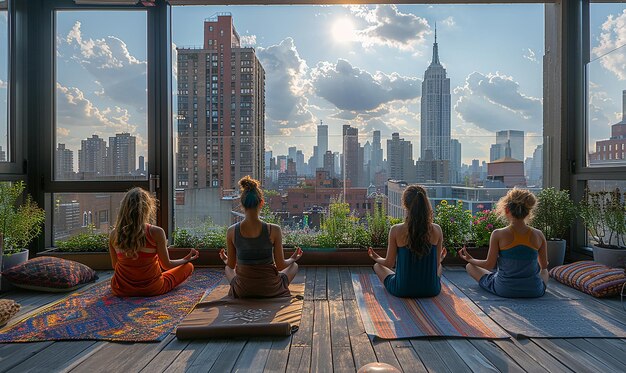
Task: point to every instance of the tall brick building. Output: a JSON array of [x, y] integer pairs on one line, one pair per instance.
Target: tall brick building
[[221, 110]]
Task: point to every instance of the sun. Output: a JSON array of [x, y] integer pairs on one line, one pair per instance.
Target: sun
[[343, 30]]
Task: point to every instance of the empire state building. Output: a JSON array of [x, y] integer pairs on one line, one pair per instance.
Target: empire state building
[[435, 115]]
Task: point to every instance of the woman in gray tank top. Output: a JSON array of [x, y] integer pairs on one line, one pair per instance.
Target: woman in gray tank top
[[255, 264]]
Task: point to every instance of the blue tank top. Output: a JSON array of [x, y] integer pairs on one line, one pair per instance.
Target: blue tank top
[[257, 250], [415, 277]]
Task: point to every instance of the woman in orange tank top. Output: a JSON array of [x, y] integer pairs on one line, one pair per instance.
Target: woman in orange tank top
[[139, 251]]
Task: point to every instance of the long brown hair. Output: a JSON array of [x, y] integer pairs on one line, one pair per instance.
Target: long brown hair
[[519, 202], [251, 193], [137, 209], [419, 217]]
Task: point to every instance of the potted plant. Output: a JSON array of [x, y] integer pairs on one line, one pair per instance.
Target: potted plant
[[554, 215], [20, 223], [603, 213], [89, 247], [483, 224], [455, 223]]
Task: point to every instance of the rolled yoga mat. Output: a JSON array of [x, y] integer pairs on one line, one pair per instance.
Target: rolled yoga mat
[[220, 315]]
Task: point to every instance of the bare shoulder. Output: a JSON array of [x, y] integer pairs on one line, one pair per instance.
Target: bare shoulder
[[436, 228], [537, 234], [274, 227], [500, 232], [157, 232], [231, 230]]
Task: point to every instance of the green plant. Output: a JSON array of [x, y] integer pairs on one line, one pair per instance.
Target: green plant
[[378, 224], [555, 213], [269, 216], [455, 223], [483, 223], [603, 213], [89, 241], [341, 228], [19, 223], [206, 235], [300, 237]]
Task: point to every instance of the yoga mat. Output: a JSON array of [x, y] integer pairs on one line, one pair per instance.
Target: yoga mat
[[557, 314], [220, 315], [96, 314], [470, 287], [450, 314]]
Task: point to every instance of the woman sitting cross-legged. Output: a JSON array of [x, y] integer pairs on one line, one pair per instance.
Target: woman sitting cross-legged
[[139, 250], [415, 248], [519, 251], [255, 264]]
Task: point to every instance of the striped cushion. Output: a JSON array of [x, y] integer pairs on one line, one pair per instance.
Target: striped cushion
[[591, 278]]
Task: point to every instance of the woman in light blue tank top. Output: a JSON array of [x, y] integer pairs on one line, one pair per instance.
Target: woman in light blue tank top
[[415, 249], [518, 252], [255, 263]]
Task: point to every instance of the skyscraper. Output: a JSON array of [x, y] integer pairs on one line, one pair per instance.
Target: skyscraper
[[435, 109], [353, 156], [92, 156], [227, 82], [3, 155], [64, 165], [514, 138], [400, 159], [329, 163], [121, 154], [455, 161], [322, 144]]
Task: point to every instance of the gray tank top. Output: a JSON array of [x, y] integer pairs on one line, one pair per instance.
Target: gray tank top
[[257, 250]]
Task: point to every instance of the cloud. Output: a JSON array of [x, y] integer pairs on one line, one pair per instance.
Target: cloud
[[613, 36], [248, 40], [494, 100], [3, 84], [450, 22], [352, 89], [63, 132], [286, 86], [530, 55], [389, 27], [122, 76]]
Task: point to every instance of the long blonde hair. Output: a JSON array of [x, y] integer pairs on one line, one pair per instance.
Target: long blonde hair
[[137, 209]]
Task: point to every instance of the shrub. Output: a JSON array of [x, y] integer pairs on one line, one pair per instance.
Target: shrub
[[604, 214], [455, 223], [483, 223], [20, 223], [554, 214], [89, 241]]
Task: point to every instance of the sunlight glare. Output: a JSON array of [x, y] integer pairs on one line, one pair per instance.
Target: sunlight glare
[[343, 30]]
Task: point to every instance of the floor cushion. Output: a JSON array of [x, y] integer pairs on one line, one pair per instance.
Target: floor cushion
[[50, 274], [8, 309], [591, 278]]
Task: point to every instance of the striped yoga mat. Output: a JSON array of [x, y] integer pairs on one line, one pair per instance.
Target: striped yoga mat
[[450, 314]]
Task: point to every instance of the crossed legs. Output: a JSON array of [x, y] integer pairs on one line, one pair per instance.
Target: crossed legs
[[290, 272]]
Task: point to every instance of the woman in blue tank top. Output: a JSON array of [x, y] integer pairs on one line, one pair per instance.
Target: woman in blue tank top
[[518, 252], [255, 264], [415, 249]]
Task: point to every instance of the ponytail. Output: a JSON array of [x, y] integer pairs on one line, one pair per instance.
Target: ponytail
[[418, 220]]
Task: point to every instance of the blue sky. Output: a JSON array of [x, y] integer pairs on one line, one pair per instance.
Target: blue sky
[[492, 55]]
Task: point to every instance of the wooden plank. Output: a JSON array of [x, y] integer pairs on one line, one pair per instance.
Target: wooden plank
[[540, 356], [472, 357], [576, 363], [362, 350], [599, 354], [123, 357], [304, 335], [55, 357], [429, 357], [320, 284], [519, 356], [228, 357], [583, 356], [279, 355], [342, 360], [619, 343], [594, 304], [166, 356], [449, 356], [309, 284], [254, 355], [407, 357], [78, 359], [201, 361], [299, 359], [385, 354], [340, 337], [496, 356], [609, 348], [321, 352], [14, 354], [333, 283], [345, 277]]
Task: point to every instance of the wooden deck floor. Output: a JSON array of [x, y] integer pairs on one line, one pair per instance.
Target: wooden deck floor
[[331, 338]]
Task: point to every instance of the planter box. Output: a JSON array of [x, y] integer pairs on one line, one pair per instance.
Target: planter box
[[610, 257], [9, 261], [477, 252], [211, 258]]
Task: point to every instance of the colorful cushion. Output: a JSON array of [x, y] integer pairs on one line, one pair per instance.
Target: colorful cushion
[[8, 309], [591, 278], [50, 274]]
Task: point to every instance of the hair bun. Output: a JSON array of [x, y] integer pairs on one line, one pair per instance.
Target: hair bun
[[247, 183]]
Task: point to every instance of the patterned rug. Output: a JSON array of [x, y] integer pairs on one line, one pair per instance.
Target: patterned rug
[[96, 314], [450, 314]]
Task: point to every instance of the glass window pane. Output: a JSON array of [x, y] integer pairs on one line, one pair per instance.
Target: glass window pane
[[4, 89], [101, 95], [376, 93], [84, 213], [606, 74]]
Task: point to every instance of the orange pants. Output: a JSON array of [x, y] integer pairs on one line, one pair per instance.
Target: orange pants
[[124, 281], [174, 277]]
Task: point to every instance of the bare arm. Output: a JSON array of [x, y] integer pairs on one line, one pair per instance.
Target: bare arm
[[389, 260], [276, 236], [543, 252], [492, 255], [164, 256], [231, 260]]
